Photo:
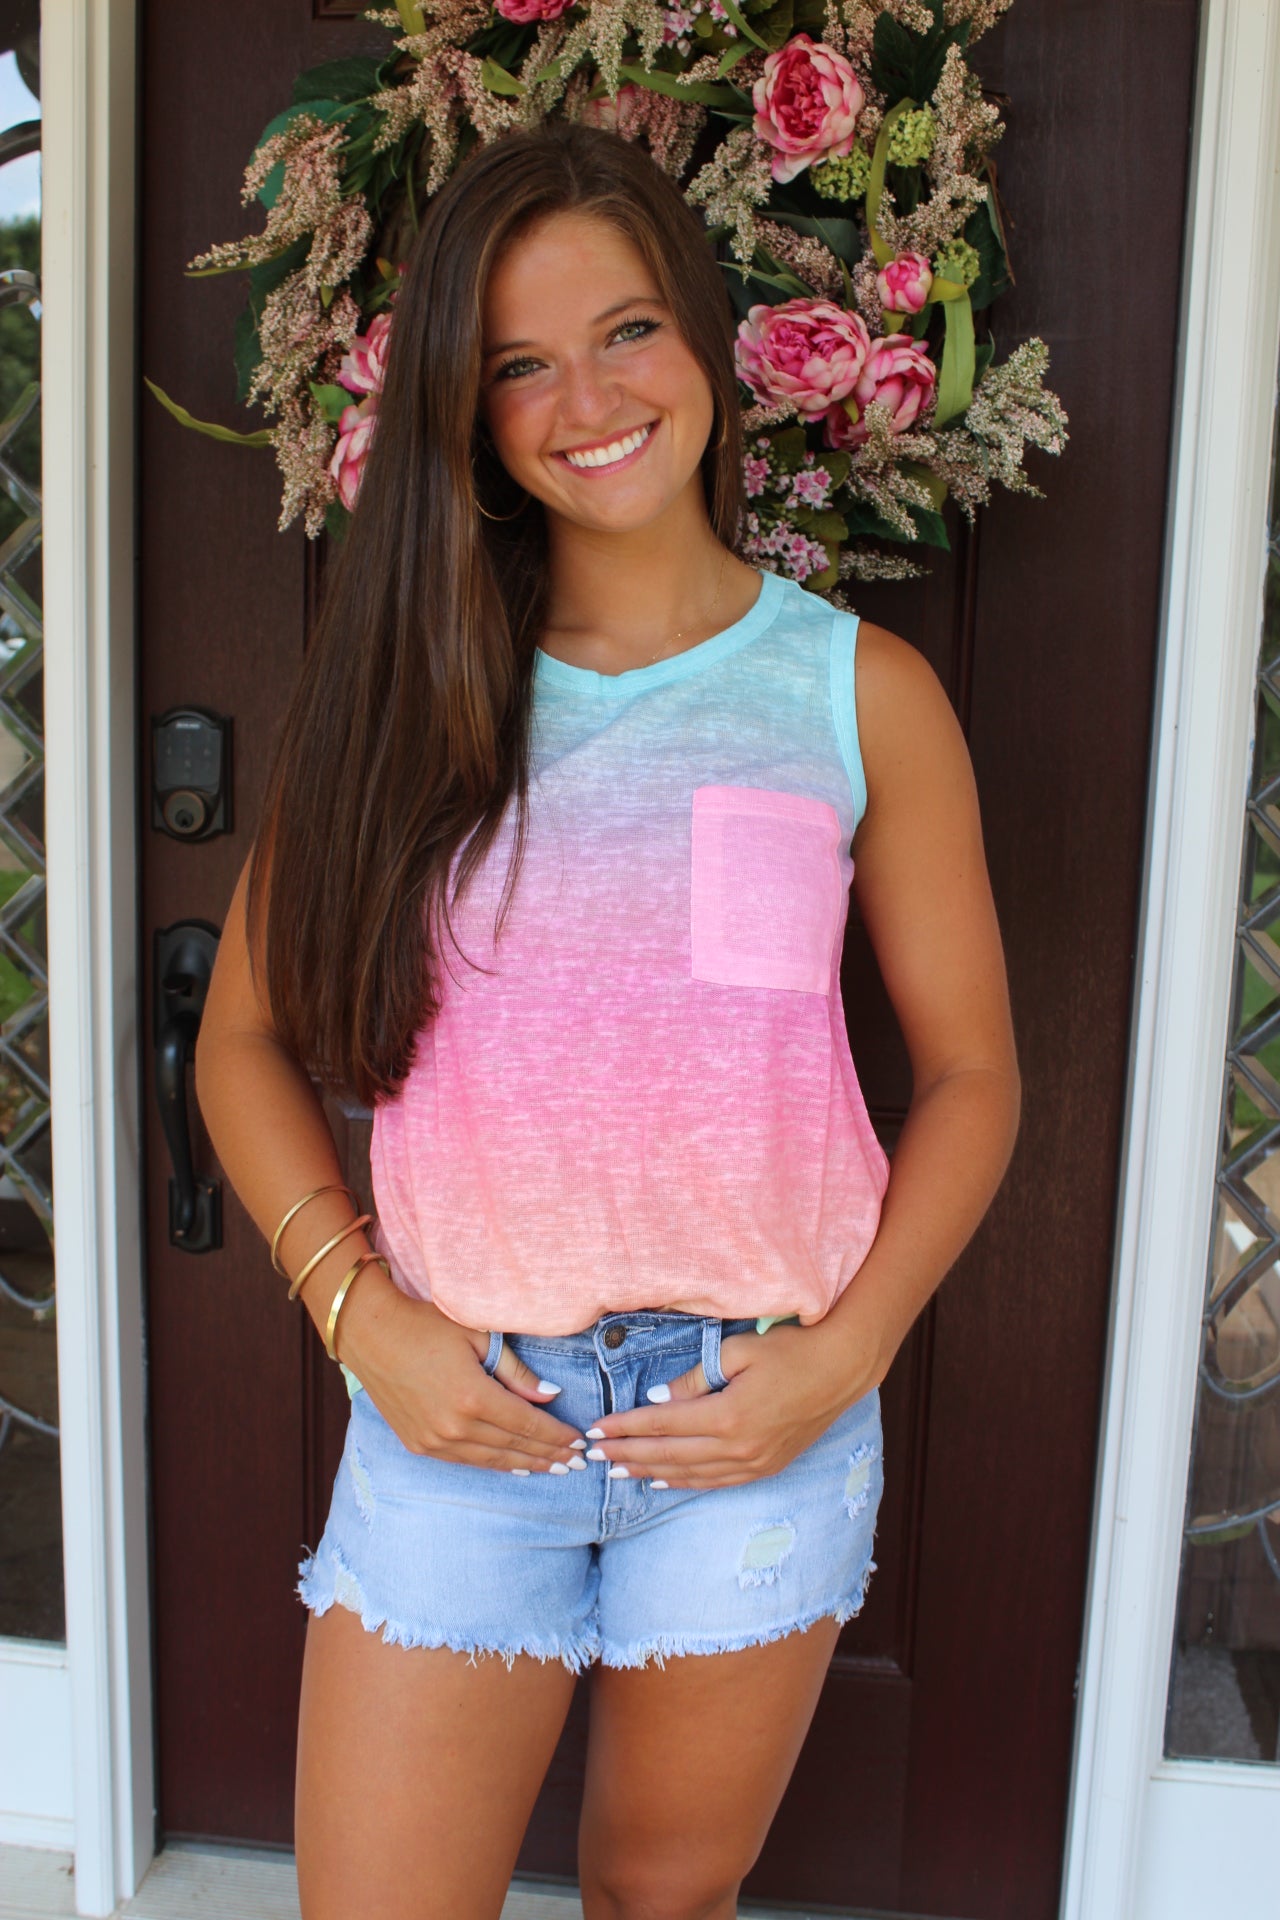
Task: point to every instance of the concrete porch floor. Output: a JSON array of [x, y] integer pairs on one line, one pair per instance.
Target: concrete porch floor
[[187, 1882]]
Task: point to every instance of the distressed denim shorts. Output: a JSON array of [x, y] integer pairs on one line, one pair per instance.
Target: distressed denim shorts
[[578, 1567]]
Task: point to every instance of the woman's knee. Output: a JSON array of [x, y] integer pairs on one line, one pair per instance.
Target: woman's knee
[[677, 1886]]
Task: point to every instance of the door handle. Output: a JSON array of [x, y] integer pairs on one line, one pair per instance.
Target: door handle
[[183, 957]]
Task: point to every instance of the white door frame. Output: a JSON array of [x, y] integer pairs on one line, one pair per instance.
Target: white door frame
[[1134, 1818], [89, 86], [1151, 1839]]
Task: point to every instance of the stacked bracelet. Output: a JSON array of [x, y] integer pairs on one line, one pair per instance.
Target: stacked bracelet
[[352, 1226], [336, 1187], [363, 1260]]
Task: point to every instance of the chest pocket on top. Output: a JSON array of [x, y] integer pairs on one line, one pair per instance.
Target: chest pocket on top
[[766, 893]]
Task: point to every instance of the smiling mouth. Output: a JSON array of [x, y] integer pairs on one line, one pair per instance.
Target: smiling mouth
[[611, 454]]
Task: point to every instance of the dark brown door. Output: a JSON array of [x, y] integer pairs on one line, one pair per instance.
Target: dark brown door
[[935, 1778]]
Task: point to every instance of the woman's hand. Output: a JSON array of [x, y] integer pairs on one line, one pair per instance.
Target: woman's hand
[[426, 1377], [785, 1388]]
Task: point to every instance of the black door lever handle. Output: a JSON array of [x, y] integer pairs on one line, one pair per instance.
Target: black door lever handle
[[183, 966]]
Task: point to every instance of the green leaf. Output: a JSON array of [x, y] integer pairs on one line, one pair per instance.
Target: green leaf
[[983, 355], [934, 482], [781, 25], [336, 521], [353, 79], [903, 61], [789, 448], [411, 16], [743, 25], [825, 525], [955, 382], [498, 80], [982, 232], [776, 273], [932, 527], [214, 432], [705, 92], [331, 400], [731, 56], [879, 161], [840, 235]]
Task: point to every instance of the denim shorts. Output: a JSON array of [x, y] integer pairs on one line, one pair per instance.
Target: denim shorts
[[578, 1567]]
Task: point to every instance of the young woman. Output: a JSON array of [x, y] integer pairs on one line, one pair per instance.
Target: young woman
[[553, 873]]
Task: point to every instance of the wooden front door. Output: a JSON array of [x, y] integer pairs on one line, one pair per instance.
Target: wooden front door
[[935, 1778]]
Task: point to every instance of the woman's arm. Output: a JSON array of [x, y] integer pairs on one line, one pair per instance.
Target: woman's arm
[[922, 888], [269, 1130]]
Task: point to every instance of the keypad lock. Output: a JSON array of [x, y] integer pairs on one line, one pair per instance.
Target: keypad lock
[[191, 773]]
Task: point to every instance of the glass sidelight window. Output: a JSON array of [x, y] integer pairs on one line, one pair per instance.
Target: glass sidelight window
[[1224, 1693], [31, 1594]]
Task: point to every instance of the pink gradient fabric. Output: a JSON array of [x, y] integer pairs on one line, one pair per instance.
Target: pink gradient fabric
[[640, 1094]]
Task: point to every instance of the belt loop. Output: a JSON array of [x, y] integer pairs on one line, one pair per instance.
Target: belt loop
[[711, 1354]]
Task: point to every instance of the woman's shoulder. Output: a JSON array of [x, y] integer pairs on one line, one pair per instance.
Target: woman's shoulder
[[906, 722]]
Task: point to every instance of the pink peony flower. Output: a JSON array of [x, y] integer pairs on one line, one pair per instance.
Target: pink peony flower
[[904, 284], [355, 431], [900, 375], [363, 366], [807, 102], [807, 351], [525, 11]]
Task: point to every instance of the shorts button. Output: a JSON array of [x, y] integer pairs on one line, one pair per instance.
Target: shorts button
[[614, 1336]]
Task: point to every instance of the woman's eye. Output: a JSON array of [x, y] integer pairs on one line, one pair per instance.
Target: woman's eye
[[646, 326], [507, 366]]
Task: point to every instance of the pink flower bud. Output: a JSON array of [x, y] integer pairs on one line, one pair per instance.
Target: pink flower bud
[[355, 431], [904, 284]]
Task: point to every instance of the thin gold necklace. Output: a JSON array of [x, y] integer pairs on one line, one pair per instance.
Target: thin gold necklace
[[663, 653]]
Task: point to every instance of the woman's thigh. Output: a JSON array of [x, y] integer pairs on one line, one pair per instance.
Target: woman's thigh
[[417, 1772], [686, 1766]]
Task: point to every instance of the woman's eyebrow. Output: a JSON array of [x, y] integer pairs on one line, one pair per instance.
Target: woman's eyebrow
[[636, 300]]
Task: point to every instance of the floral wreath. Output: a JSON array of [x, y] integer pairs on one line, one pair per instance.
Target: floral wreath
[[839, 153]]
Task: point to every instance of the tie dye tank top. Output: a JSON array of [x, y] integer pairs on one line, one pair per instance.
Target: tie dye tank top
[[641, 1093]]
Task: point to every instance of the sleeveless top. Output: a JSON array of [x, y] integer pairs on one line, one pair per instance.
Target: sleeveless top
[[641, 1094]]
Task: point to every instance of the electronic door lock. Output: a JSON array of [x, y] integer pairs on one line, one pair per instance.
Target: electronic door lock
[[191, 773]]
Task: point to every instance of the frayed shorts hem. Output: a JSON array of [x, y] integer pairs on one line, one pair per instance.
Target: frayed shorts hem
[[577, 1653]]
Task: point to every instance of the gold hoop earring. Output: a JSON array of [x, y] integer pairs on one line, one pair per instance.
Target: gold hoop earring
[[475, 494], [503, 516]]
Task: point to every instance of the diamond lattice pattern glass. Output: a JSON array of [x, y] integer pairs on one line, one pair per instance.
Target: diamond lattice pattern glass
[[31, 1594], [1224, 1693]]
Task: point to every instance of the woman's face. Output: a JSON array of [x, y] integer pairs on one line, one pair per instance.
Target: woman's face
[[592, 398]]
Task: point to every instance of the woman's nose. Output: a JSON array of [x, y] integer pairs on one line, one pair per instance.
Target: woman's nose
[[591, 394]]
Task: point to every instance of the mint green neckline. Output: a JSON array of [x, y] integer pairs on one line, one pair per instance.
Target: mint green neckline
[[679, 665]]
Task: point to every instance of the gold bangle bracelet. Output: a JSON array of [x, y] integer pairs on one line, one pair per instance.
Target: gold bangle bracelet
[[363, 1260], [351, 1226], [338, 1187]]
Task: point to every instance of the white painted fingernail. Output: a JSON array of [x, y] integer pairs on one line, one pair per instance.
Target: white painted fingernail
[[619, 1473], [548, 1386], [659, 1483], [659, 1393], [596, 1453], [595, 1433], [559, 1466], [522, 1473], [579, 1446], [579, 1462]]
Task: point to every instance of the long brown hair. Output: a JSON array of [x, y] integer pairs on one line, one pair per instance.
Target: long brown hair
[[407, 735]]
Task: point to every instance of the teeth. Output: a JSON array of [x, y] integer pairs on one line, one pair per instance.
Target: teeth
[[616, 450]]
